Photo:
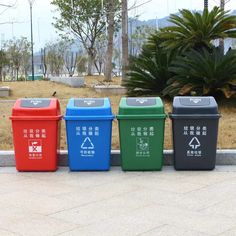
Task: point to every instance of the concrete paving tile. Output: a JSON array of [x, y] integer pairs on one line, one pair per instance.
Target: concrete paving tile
[[20, 221], [168, 230], [85, 179], [153, 182], [42, 187], [215, 193], [35, 202], [84, 196], [190, 220], [231, 232], [212, 177], [167, 198], [7, 233], [224, 208], [128, 224], [8, 178], [98, 211]]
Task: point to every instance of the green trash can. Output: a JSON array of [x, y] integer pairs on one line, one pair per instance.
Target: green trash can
[[141, 128]]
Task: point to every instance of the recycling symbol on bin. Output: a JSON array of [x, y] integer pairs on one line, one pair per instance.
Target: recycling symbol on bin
[[87, 144], [194, 143]]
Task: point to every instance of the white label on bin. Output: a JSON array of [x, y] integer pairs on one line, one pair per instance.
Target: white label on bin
[[87, 148], [35, 148], [87, 144], [142, 147], [194, 143], [142, 131], [34, 133], [194, 133], [192, 130], [195, 100]]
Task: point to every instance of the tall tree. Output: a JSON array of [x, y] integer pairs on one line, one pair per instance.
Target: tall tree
[[18, 52], [83, 19], [3, 62], [125, 42], [56, 55], [110, 31]]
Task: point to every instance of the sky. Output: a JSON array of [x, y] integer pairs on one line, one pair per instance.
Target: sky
[[15, 21]]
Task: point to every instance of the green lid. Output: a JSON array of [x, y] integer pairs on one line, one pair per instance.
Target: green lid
[[145, 107]]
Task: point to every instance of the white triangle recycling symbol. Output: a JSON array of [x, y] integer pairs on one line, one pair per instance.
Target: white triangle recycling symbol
[[87, 144]]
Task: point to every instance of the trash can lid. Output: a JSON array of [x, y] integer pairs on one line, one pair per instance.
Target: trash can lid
[[88, 107], [36, 107], [141, 106], [195, 105]]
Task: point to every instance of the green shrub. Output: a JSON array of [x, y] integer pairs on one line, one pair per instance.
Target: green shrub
[[149, 72], [203, 73]]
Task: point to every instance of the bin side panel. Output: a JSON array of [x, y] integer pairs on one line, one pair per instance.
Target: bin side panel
[[195, 143], [141, 144], [35, 144], [89, 144]]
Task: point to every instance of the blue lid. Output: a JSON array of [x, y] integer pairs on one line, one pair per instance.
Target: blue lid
[[88, 108]]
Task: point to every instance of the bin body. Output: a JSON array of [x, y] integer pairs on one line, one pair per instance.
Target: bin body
[[89, 129], [36, 134], [195, 130], [141, 129]]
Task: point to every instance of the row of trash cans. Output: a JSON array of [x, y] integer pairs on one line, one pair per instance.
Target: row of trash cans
[[36, 133]]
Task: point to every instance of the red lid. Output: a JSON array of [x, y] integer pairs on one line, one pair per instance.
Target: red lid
[[36, 107]]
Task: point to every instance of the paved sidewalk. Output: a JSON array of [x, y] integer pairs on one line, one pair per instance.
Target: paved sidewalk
[[118, 203]]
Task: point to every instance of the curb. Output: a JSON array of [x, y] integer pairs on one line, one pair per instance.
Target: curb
[[223, 157]]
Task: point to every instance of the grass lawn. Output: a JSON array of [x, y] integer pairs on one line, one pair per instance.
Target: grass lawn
[[227, 131]]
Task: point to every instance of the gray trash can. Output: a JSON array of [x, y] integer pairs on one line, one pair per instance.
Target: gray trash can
[[195, 130]]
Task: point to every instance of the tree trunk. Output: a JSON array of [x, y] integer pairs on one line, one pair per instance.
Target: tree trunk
[[17, 73], [0, 74], [125, 43], [91, 60], [222, 42], [111, 30]]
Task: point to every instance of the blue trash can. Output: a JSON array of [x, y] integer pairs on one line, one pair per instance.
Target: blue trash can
[[89, 129]]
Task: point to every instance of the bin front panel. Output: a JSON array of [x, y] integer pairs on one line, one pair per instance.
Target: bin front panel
[[89, 144], [141, 144], [195, 143], [36, 145]]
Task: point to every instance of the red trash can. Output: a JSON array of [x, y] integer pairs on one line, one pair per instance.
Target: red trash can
[[36, 133]]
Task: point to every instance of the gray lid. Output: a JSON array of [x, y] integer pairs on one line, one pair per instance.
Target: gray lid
[[89, 102], [35, 103], [141, 102], [195, 105]]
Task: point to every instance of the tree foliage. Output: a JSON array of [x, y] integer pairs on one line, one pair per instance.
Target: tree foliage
[[203, 73], [182, 60], [196, 30], [86, 20], [149, 72], [18, 53]]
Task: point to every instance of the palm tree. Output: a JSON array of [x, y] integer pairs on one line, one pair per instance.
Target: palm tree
[[203, 73], [196, 30]]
